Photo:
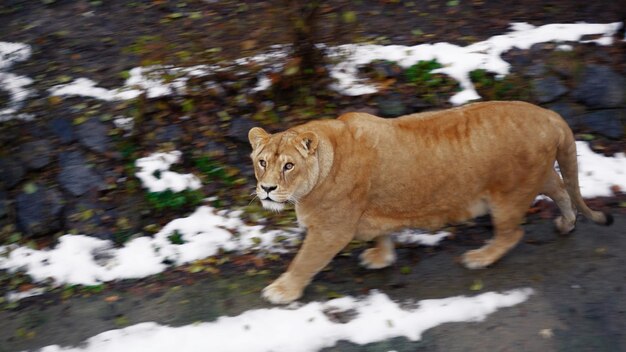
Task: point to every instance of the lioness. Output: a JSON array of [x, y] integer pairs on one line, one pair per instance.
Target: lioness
[[364, 177]]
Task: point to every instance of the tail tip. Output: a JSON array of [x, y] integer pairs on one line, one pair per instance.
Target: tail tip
[[609, 219]]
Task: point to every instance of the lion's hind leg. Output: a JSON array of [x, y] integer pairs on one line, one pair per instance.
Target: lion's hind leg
[[380, 256], [507, 217], [555, 189]]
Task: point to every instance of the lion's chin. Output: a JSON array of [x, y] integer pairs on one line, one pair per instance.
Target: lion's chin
[[271, 205]]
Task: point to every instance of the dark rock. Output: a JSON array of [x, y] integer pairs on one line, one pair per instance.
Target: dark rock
[[547, 89], [418, 105], [601, 87], [11, 172], [5, 98], [215, 149], [386, 69], [3, 204], [364, 109], [517, 57], [63, 129], [37, 131], [93, 135], [391, 106], [536, 70], [88, 218], [569, 111], [38, 212], [35, 154], [606, 122], [239, 128], [169, 133], [564, 68], [75, 176], [536, 49]]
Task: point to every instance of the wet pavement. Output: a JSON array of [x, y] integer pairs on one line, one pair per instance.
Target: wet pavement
[[579, 302]]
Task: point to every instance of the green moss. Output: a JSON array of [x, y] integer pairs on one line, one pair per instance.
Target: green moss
[[176, 238], [122, 236], [421, 73], [490, 87], [174, 200], [214, 170]]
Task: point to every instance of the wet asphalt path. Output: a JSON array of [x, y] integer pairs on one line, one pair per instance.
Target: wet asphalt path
[[579, 302]]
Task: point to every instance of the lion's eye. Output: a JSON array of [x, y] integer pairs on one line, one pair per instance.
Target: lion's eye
[[263, 163], [288, 166]]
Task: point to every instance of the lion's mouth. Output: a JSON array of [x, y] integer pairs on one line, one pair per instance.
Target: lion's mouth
[[268, 199], [269, 203]]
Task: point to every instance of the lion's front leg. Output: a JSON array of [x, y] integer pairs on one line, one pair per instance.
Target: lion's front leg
[[316, 252]]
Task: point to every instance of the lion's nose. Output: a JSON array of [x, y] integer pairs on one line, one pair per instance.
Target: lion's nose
[[268, 189]]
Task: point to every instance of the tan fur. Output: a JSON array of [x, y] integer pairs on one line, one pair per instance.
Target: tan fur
[[363, 177]]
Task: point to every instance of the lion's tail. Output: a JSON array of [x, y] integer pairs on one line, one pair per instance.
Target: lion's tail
[[568, 164]]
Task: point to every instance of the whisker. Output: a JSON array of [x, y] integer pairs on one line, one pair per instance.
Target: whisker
[[253, 198], [293, 200]]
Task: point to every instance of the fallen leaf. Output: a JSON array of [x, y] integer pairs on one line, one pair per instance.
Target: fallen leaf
[[248, 44], [477, 285], [546, 333], [616, 189], [113, 298]]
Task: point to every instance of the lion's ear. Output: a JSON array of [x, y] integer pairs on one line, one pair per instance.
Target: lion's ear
[[257, 137], [306, 142]]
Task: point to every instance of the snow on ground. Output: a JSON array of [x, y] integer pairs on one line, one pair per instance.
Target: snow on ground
[[458, 62], [425, 239], [79, 259], [140, 79], [155, 175], [598, 173], [15, 85], [86, 260], [16, 296], [310, 327]]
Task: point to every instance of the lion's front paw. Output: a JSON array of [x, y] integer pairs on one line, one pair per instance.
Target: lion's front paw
[[375, 258], [477, 259], [282, 290]]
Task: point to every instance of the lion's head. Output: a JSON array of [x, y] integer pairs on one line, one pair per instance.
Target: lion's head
[[285, 166]]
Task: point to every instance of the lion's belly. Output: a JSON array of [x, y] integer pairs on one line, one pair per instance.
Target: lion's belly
[[376, 222]]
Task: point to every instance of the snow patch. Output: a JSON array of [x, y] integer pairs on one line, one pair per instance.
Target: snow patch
[[149, 80], [124, 123], [418, 237], [564, 47], [13, 52], [459, 61], [16, 296], [14, 85], [306, 328], [155, 175], [79, 259], [597, 173]]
